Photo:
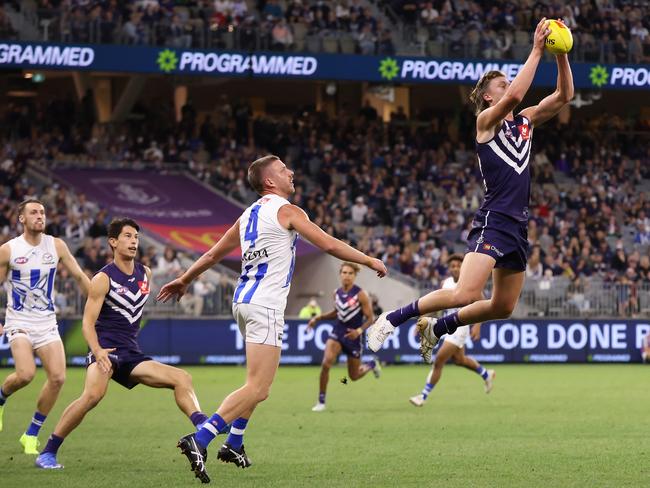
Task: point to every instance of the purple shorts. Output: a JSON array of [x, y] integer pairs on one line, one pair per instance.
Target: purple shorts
[[349, 348], [123, 364], [501, 237]]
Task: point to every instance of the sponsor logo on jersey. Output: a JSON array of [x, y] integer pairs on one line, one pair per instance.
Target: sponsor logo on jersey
[[490, 247], [524, 130], [121, 290], [144, 287], [21, 260], [259, 253], [48, 258]]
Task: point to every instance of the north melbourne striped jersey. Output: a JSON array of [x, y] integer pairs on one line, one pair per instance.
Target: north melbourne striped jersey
[[504, 164], [30, 282], [268, 253]]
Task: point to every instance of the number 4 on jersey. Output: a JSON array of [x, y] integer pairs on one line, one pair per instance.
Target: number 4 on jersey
[[251, 227]]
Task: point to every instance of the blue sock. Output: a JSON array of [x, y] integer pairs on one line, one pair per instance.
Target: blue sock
[[321, 397], [426, 390], [447, 325], [37, 423], [197, 418], [371, 364], [401, 315], [53, 444], [210, 430], [236, 436], [3, 397], [482, 372]]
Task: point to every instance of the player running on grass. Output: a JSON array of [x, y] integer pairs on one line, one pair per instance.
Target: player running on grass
[[497, 243], [353, 311], [267, 232], [453, 346], [111, 322], [29, 261]]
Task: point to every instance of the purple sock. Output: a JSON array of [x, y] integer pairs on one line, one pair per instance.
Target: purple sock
[[447, 325], [53, 444], [321, 397], [197, 418], [371, 364], [401, 315]]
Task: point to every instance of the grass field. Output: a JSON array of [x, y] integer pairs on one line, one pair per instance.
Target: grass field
[[550, 426]]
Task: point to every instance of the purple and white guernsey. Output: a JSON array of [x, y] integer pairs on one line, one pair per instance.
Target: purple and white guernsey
[[118, 323], [348, 308], [504, 164]]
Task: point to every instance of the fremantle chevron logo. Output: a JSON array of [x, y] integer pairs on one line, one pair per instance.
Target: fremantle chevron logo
[[258, 64], [34, 54]]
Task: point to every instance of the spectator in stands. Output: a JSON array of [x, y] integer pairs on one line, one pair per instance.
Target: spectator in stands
[[179, 34], [168, 264], [194, 301], [74, 230], [282, 36], [272, 10]]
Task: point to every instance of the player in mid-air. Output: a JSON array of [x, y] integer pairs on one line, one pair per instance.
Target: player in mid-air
[[111, 322], [267, 232], [497, 243], [28, 263], [353, 311], [453, 346]]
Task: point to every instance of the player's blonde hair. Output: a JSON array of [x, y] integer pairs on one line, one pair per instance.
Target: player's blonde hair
[[256, 171], [346, 264], [476, 97]]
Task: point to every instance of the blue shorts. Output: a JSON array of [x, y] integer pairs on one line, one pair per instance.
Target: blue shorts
[[123, 364], [348, 347], [501, 237]]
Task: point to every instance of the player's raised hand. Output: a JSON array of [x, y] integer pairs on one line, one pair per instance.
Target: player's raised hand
[[171, 289], [541, 33], [101, 356], [378, 266]]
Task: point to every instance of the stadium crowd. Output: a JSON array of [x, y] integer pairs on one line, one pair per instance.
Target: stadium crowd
[[605, 31], [266, 24], [402, 191]]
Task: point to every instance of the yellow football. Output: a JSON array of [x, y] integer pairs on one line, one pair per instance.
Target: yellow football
[[560, 40]]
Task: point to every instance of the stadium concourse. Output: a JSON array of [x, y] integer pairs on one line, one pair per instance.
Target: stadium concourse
[[399, 190]]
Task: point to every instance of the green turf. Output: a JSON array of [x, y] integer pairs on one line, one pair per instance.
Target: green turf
[[546, 426]]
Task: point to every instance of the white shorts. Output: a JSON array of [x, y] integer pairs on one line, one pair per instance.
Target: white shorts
[[459, 337], [37, 335], [259, 325]]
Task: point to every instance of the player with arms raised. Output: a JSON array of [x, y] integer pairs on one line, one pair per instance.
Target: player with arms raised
[[267, 232], [111, 322], [353, 311], [497, 243], [30, 261]]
